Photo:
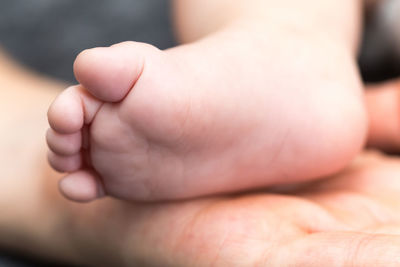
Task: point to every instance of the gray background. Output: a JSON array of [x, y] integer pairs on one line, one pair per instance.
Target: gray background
[[47, 34]]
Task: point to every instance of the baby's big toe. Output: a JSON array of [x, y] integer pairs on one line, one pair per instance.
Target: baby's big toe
[[110, 72]]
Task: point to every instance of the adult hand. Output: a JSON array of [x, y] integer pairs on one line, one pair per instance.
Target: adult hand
[[350, 219]]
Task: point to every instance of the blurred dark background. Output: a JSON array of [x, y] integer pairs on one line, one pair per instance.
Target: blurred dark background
[[46, 35], [379, 58]]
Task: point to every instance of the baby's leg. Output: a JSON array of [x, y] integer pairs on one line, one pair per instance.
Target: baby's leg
[[270, 97]]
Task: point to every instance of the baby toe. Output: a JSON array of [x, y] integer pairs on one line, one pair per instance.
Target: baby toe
[[64, 144], [66, 114], [65, 163], [81, 186]]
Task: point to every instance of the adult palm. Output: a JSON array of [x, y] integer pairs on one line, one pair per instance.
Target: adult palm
[[351, 219]]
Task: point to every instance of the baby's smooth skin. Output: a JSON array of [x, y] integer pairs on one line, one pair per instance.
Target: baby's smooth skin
[[267, 90]]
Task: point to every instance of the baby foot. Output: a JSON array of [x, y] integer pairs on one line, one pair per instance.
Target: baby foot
[[215, 116]]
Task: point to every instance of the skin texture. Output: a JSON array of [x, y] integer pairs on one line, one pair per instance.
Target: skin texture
[[312, 225], [350, 219], [195, 119]]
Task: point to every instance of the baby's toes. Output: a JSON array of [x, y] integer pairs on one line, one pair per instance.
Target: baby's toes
[[64, 144], [62, 163], [67, 115]]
